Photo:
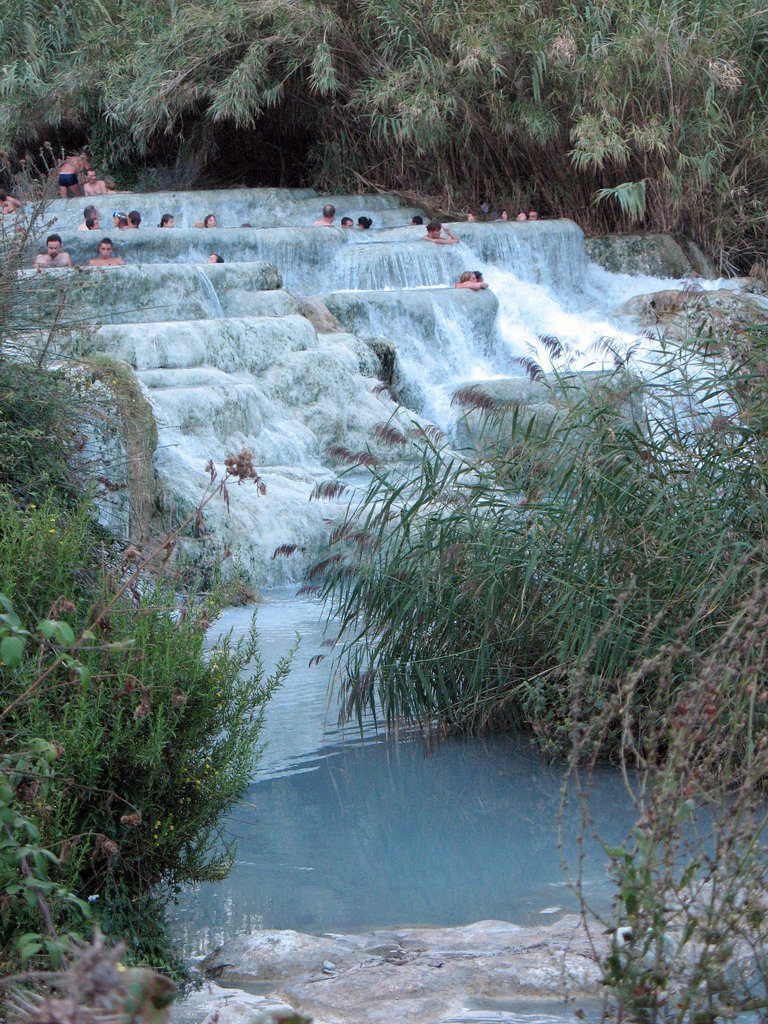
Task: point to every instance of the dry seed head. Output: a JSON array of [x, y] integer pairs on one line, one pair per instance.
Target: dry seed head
[[725, 73], [563, 48]]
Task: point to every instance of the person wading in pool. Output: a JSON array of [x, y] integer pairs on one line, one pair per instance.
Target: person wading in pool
[[472, 279], [326, 221], [106, 257], [435, 232], [53, 255]]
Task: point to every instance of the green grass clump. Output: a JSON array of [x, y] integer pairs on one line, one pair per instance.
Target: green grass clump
[[500, 588]]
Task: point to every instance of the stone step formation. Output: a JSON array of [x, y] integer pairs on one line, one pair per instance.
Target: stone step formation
[[279, 347]]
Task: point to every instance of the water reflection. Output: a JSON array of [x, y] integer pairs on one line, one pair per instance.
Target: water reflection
[[380, 833]]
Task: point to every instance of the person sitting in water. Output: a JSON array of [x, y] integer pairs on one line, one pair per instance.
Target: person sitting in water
[[92, 223], [93, 185], [326, 221], [417, 219], [364, 223], [88, 213], [435, 232], [472, 279], [111, 186], [69, 175], [106, 257], [522, 216], [533, 215], [215, 258], [347, 222], [166, 221], [134, 219], [53, 255], [209, 221], [8, 203], [504, 215]]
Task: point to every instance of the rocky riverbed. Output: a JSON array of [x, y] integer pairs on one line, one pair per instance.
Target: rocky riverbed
[[490, 970]]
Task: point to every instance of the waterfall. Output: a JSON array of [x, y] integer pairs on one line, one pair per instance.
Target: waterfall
[[210, 292], [227, 362]]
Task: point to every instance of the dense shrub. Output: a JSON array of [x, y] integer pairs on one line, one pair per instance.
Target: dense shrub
[[154, 738], [493, 589]]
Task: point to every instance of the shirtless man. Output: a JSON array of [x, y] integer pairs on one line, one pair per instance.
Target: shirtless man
[[347, 222], [93, 185], [472, 279], [106, 257], [326, 221], [8, 204], [69, 175], [435, 232], [53, 255], [88, 214]]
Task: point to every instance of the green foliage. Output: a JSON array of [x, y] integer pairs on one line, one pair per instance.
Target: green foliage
[[155, 737], [37, 435], [488, 590], [518, 103]]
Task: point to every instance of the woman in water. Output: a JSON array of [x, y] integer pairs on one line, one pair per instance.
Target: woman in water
[[364, 223], [166, 221], [472, 279], [215, 258]]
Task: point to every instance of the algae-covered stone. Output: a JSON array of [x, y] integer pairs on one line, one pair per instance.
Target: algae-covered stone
[[649, 254], [721, 316], [133, 474]]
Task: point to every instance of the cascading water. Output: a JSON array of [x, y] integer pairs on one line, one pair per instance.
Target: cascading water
[[226, 361]]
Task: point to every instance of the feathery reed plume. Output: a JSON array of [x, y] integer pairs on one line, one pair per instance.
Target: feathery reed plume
[[389, 434], [328, 490], [531, 367], [286, 549], [342, 454]]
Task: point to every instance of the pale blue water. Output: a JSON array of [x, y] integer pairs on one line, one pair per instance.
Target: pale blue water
[[340, 833]]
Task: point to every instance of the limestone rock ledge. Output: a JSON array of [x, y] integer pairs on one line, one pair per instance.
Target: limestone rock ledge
[[424, 975]]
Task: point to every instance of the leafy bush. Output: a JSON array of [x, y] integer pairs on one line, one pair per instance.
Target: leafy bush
[[155, 738], [492, 589]]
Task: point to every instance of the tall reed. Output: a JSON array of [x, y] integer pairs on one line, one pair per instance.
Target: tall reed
[[474, 590]]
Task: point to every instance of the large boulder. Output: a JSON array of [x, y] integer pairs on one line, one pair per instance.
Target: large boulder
[[722, 315], [652, 254], [492, 410]]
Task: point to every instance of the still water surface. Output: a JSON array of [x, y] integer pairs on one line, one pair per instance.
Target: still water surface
[[343, 833]]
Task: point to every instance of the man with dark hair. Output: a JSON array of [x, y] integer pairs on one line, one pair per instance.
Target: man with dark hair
[[53, 255], [347, 222], [93, 185], [417, 219], [93, 223], [134, 218], [106, 257], [435, 231], [326, 221]]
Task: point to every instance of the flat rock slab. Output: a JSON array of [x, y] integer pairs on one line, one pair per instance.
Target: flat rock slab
[[424, 975]]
